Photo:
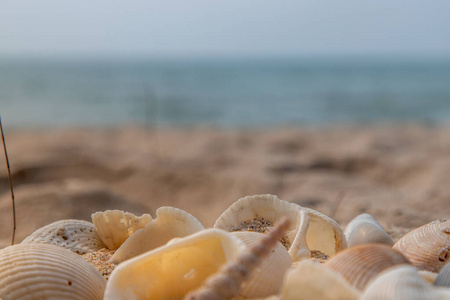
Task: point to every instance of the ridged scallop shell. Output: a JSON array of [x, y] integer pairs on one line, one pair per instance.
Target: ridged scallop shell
[[39, 271], [427, 247], [309, 230], [364, 229], [77, 235], [170, 223], [267, 279], [359, 264], [171, 271], [115, 226], [402, 282], [309, 280], [443, 278]]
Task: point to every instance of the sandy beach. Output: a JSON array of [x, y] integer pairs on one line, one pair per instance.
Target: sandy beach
[[398, 173]]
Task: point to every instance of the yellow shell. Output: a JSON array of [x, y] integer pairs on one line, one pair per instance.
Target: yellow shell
[[427, 247]]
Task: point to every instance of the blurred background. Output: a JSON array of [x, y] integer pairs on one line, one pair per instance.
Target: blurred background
[[342, 107]]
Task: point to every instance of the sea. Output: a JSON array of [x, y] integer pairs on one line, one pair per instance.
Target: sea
[[223, 92]]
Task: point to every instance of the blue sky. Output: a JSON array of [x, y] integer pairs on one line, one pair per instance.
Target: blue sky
[[223, 28]]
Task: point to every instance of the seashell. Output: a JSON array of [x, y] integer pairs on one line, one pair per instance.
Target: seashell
[[40, 271], [171, 271], [76, 235], [359, 264], [364, 229], [309, 280], [402, 282], [429, 277], [170, 223], [310, 232], [115, 226], [227, 283], [443, 278], [267, 279], [427, 247]]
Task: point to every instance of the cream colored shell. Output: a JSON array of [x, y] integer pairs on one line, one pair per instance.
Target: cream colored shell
[[443, 278], [309, 280], [359, 264], [116, 226], [39, 271], [402, 282], [171, 271], [77, 235], [309, 230], [364, 229], [266, 280], [427, 247], [170, 223]]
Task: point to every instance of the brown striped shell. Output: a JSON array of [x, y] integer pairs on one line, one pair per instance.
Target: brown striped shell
[[427, 247], [76, 235], [359, 264], [39, 271]]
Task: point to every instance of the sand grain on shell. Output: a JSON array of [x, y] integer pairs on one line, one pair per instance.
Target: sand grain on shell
[[100, 260]]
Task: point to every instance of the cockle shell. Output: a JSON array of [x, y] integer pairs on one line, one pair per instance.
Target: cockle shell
[[171, 271], [39, 271], [443, 278], [402, 282], [266, 279], [170, 223], [310, 231], [76, 235], [311, 280], [427, 247], [364, 229], [359, 264], [115, 226]]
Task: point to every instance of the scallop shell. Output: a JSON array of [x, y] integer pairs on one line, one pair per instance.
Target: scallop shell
[[310, 231], [427, 247], [309, 280], [267, 279], [226, 283], [76, 235], [39, 271], [443, 278], [115, 226], [359, 264], [402, 282], [171, 271], [364, 229], [170, 223]]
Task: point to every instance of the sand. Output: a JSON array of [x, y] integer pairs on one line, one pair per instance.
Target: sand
[[398, 173]]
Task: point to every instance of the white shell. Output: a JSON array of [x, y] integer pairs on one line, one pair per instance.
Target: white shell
[[115, 226], [309, 230], [76, 235], [267, 279], [309, 280], [364, 229], [39, 271], [402, 282], [171, 271], [170, 223], [427, 247], [443, 278]]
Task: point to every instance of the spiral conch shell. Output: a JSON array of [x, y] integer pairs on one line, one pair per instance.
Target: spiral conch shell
[[427, 247], [364, 229], [359, 264], [77, 235], [171, 271], [40, 271], [311, 280], [115, 226], [310, 232], [402, 282], [170, 223]]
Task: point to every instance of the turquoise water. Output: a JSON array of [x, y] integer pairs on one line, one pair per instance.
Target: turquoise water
[[223, 93]]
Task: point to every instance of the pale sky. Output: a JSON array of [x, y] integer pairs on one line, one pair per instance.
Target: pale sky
[[134, 28]]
